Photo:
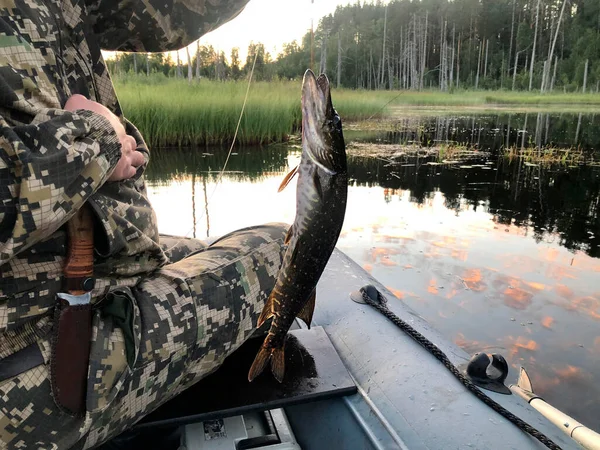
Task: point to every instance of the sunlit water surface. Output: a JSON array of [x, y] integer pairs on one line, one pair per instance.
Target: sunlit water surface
[[498, 255]]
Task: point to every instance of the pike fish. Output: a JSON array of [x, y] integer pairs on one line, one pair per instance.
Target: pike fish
[[320, 208]]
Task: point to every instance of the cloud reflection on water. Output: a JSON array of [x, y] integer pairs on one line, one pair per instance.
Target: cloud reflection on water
[[474, 263]]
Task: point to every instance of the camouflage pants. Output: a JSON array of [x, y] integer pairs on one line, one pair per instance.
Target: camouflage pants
[[188, 317]]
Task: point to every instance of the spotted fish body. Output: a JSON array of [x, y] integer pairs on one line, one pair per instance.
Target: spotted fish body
[[320, 208]]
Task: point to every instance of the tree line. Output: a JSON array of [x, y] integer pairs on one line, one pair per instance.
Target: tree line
[[530, 45], [205, 62]]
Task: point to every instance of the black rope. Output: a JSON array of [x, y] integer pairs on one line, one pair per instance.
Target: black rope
[[380, 305]]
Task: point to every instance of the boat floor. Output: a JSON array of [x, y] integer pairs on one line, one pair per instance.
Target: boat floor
[[313, 372]]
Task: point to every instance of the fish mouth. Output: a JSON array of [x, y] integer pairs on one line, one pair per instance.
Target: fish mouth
[[316, 98], [322, 136]]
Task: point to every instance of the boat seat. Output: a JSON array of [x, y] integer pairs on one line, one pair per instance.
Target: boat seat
[[313, 372]]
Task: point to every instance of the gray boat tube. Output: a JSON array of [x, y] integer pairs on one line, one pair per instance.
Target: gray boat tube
[[407, 398]]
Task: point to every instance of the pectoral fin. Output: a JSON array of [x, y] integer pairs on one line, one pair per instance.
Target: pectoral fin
[[288, 178], [309, 308], [289, 234]]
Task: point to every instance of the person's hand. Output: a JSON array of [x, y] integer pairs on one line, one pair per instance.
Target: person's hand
[[130, 158]]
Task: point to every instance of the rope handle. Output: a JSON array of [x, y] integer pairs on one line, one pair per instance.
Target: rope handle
[[380, 304]]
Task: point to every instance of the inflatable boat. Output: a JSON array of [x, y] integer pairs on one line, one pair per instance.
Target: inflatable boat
[[357, 380]]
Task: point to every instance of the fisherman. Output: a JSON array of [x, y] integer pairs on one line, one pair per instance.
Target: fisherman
[[164, 311]]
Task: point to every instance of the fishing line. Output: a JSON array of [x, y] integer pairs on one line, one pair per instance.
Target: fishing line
[[401, 92], [383, 107], [237, 128]]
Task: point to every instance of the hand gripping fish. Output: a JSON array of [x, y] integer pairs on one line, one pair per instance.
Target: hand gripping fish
[[320, 207]]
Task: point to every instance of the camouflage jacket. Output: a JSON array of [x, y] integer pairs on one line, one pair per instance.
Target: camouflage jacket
[[52, 160]]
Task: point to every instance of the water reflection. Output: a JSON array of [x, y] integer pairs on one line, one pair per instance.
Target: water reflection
[[253, 164], [545, 202], [491, 132], [498, 255]]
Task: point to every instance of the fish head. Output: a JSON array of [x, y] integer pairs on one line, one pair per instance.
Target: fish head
[[322, 136]]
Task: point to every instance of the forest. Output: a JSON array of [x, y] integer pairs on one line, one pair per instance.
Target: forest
[[531, 45]]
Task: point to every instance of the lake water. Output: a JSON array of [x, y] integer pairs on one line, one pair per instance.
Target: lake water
[[500, 255]]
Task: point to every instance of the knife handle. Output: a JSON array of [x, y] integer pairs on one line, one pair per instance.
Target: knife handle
[[79, 266]]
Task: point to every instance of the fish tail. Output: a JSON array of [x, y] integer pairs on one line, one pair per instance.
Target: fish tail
[[277, 358], [278, 363], [260, 362]]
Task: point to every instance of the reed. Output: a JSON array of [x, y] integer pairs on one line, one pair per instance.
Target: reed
[[172, 112], [491, 98], [548, 98], [548, 155]]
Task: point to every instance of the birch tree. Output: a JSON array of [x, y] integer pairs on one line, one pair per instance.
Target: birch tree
[[551, 53], [424, 53], [339, 60], [487, 46], [189, 60], [478, 64], [383, 49], [323, 63], [512, 29], [198, 59], [537, 16]]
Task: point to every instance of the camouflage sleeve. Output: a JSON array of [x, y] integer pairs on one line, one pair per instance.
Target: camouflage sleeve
[[48, 169], [157, 25]]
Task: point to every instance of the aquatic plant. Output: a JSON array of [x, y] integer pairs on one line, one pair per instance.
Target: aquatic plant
[[174, 112], [547, 155], [171, 112]]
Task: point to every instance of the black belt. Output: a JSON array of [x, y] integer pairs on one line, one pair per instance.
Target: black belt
[[21, 361]]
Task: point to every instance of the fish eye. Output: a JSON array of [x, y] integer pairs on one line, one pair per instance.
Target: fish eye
[[337, 122], [336, 119]]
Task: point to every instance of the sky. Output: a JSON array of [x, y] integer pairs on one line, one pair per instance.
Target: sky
[[272, 22]]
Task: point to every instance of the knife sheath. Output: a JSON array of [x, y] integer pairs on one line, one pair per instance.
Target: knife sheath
[[73, 319], [70, 355]]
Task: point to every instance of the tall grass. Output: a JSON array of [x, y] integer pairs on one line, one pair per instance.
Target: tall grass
[[172, 112], [490, 98], [548, 98]]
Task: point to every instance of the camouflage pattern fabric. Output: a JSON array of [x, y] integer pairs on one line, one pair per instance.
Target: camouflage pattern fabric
[[176, 248], [165, 315], [52, 161], [183, 321]]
